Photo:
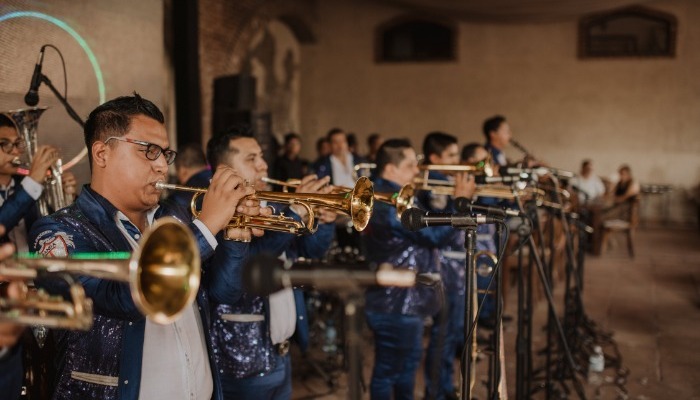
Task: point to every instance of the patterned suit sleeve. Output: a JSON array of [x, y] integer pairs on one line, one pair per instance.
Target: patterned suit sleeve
[[109, 297]]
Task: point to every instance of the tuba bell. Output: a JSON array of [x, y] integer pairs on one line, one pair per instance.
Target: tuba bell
[[26, 121]]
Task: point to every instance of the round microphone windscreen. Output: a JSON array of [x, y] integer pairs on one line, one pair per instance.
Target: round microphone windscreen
[[411, 219]]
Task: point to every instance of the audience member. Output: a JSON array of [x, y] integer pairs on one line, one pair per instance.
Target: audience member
[[588, 185], [289, 165], [497, 133], [373, 142], [626, 187]]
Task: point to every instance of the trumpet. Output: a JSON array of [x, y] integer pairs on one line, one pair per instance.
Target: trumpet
[[357, 202], [402, 199], [447, 188], [277, 223], [425, 183], [163, 275]]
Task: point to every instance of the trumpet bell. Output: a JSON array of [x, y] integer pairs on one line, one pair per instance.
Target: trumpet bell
[[361, 203], [165, 271]]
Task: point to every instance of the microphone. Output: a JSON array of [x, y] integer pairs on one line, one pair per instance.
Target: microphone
[[483, 179], [32, 96], [415, 219], [464, 205], [265, 274]]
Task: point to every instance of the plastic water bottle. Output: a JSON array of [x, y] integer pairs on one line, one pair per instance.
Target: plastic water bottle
[[596, 365], [331, 334]]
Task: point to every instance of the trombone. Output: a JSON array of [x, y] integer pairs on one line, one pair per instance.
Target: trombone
[[163, 274], [356, 202]]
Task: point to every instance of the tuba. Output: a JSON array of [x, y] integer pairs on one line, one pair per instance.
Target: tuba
[[163, 275], [26, 121]]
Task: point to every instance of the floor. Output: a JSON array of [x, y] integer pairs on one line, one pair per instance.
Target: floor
[[650, 303]]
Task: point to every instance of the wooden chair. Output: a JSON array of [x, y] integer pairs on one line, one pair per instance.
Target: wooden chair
[[623, 217]]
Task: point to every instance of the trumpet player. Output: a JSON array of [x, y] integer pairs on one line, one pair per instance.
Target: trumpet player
[[18, 193], [124, 355], [10, 350], [251, 334], [395, 315], [446, 332], [498, 134]]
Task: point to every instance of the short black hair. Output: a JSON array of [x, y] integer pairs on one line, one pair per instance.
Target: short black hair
[[190, 155], [469, 150], [291, 136], [113, 118], [7, 121], [586, 162], [371, 139], [335, 131], [435, 143], [491, 125], [391, 152], [352, 140], [218, 146], [320, 142]]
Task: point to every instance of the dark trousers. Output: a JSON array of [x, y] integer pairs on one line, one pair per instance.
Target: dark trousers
[[275, 385], [397, 354]]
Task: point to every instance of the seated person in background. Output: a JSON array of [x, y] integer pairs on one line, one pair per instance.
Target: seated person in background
[[191, 170], [340, 164], [289, 165], [626, 187], [588, 185], [10, 351]]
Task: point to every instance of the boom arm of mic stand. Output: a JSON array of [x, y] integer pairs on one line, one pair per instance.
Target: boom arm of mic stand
[[63, 100]]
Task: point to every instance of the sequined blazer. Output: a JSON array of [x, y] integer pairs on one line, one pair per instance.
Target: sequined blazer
[[386, 240], [105, 362]]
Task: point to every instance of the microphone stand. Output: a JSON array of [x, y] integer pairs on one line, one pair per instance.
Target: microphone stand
[[524, 386], [71, 112], [469, 309]]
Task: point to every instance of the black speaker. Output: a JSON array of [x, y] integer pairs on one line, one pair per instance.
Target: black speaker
[[236, 92]]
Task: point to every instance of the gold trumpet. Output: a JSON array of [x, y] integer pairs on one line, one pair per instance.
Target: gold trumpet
[[163, 274], [277, 223], [357, 202], [402, 199]]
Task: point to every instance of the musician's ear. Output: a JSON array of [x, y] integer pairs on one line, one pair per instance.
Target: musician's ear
[[100, 154]]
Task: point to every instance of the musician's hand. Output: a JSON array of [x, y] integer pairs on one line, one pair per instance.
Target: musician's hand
[[251, 207], [310, 184], [9, 332], [70, 184], [44, 158], [465, 185], [225, 192], [325, 215]]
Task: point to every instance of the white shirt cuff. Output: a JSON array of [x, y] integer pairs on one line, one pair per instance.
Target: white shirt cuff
[[207, 233], [33, 188]]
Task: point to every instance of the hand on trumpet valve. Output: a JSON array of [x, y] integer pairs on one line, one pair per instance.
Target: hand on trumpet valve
[[311, 184], [44, 158], [9, 332], [223, 198], [465, 185]]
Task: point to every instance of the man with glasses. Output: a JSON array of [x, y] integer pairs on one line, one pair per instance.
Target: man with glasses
[[124, 355], [19, 193]]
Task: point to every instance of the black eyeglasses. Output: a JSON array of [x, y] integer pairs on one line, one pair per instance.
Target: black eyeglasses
[[153, 151], [7, 146]]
